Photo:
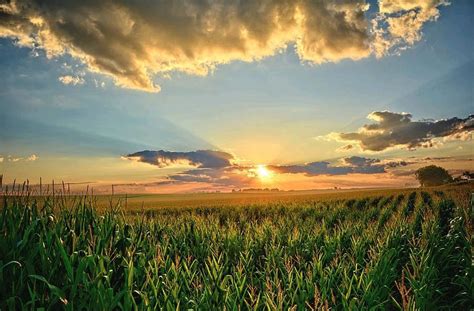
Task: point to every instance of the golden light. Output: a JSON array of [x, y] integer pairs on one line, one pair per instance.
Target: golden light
[[263, 173]]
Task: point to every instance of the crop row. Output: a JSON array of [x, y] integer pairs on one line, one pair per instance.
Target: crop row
[[399, 251]]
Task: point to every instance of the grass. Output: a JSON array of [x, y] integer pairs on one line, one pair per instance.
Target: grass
[[391, 249]]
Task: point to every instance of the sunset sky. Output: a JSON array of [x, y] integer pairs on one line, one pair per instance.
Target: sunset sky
[[180, 96]]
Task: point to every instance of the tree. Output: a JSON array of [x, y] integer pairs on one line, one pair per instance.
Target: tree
[[433, 175]]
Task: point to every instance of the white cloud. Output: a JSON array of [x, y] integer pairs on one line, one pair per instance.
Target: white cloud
[[99, 84], [14, 159], [399, 23], [132, 42], [32, 157], [70, 80]]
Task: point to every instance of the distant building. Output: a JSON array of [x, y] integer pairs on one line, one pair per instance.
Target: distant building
[[465, 177]]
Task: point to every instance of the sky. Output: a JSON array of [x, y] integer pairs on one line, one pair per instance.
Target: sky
[[184, 96]]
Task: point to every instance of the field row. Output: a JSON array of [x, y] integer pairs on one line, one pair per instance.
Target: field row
[[406, 250]]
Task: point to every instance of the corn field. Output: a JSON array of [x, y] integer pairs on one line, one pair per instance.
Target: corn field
[[406, 251]]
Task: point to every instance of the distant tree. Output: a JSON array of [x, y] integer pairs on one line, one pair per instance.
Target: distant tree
[[433, 175]]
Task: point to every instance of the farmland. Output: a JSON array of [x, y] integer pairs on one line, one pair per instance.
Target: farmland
[[379, 249]]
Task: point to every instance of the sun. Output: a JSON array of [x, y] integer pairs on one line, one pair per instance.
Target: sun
[[263, 173]]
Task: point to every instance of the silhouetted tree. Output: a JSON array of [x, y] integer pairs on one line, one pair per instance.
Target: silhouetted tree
[[433, 175]]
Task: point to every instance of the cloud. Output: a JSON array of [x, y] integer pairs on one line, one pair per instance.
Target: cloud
[[99, 84], [67, 80], [340, 149], [351, 165], [211, 167], [132, 42], [399, 23], [199, 158], [11, 158], [311, 169], [360, 161], [231, 177], [216, 168], [32, 157], [454, 164], [398, 129]]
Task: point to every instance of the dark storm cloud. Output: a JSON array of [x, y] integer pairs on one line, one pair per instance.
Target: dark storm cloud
[[132, 41], [199, 158], [398, 129]]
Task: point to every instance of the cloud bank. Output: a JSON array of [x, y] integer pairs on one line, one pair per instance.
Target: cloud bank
[[132, 42], [399, 23], [11, 158], [394, 129], [216, 168], [199, 158], [210, 166], [67, 80], [351, 165]]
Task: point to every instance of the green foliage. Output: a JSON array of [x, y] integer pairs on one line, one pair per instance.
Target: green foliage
[[433, 175], [410, 205], [356, 254]]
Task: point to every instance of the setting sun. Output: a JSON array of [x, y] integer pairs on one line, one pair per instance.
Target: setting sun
[[263, 173]]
